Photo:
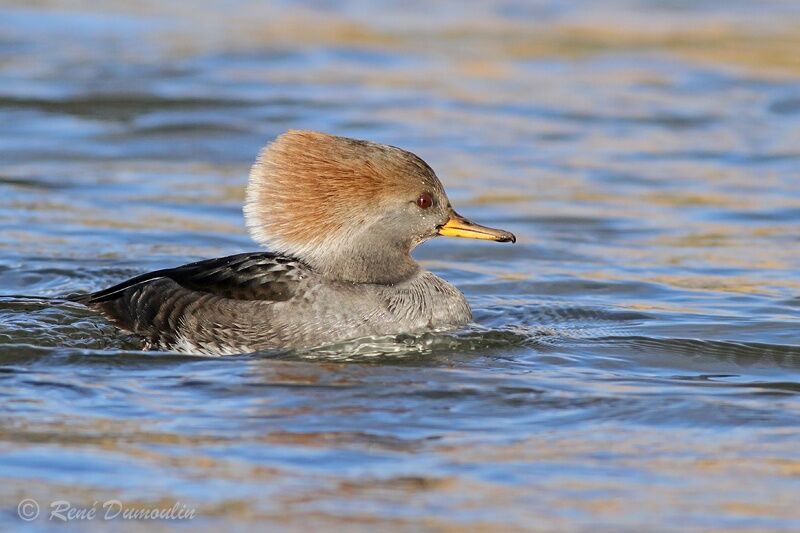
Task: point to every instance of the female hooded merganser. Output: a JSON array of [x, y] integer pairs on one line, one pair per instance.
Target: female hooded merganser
[[341, 217]]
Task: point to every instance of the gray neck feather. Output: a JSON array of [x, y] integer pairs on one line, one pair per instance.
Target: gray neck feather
[[373, 257]]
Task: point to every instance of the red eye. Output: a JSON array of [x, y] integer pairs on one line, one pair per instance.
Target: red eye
[[425, 200]]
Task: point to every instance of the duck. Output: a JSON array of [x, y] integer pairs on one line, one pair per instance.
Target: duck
[[339, 218]]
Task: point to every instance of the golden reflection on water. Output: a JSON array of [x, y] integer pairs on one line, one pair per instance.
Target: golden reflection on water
[[614, 139], [668, 470]]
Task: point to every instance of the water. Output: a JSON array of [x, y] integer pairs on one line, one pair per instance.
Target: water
[[636, 358]]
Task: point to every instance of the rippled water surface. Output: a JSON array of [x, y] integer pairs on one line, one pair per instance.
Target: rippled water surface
[[635, 361]]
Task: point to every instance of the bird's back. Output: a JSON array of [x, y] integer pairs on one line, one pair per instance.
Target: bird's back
[[202, 306]]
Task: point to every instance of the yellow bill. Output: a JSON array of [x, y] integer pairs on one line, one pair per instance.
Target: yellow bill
[[458, 226]]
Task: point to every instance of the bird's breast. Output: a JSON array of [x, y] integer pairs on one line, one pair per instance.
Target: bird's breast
[[428, 302]]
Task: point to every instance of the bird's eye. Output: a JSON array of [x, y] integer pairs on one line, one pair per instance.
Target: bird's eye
[[425, 200]]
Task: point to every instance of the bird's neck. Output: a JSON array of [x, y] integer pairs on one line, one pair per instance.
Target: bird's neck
[[369, 258]]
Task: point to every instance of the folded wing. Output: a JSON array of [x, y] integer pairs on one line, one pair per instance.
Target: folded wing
[[161, 305]]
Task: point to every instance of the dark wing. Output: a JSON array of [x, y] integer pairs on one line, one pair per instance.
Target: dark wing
[[156, 305], [249, 276]]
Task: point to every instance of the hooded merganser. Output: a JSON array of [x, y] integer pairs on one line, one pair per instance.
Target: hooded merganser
[[340, 217]]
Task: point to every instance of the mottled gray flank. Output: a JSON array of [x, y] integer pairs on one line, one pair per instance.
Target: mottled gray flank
[[257, 301]]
